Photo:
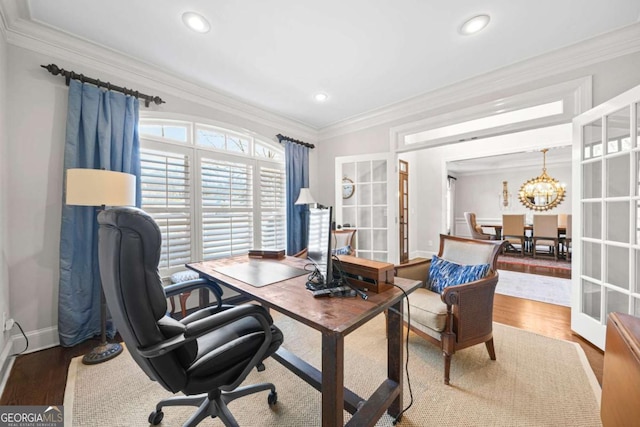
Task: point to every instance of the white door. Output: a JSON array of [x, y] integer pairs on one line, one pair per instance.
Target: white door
[[606, 215], [368, 203]]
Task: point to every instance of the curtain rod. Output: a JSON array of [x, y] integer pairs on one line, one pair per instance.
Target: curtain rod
[[286, 138], [68, 75]]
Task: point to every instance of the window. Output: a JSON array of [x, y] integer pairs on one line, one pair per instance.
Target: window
[[213, 192]]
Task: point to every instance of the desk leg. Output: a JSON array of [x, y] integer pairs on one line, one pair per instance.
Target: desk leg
[[332, 380], [395, 352]]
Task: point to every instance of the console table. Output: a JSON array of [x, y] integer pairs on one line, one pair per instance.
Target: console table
[[621, 377]]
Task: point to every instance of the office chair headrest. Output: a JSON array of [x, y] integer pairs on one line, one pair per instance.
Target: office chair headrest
[[137, 239]]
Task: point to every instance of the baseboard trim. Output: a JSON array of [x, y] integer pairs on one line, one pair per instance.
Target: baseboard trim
[[6, 363], [38, 340]]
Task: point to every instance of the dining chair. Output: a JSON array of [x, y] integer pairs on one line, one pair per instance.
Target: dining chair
[[545, 233], [566, 240], [513, 231], [475, 229]]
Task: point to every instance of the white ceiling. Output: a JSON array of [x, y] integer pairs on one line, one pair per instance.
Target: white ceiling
[[520, 160], [365, 54]]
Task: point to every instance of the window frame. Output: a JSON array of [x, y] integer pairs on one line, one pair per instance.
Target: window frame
[[195, 154]]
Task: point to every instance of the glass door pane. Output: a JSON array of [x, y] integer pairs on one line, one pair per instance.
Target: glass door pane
[[366, 209]]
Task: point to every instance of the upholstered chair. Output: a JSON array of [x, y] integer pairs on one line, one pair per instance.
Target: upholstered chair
[[513, 231], [475, 230], [342, 243], [545, 233], [461, 315], [566, 240]]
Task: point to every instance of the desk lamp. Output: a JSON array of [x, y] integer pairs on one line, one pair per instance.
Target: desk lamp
[[96, 187]]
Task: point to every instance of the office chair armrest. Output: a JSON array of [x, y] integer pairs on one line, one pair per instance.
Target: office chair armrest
[[190, 285], [198, 327], [203, 326]]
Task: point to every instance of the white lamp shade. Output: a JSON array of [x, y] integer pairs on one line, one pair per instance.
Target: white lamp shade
[[97, 187], [305, 197]]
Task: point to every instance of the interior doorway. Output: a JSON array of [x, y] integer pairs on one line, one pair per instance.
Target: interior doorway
[[403, 210]]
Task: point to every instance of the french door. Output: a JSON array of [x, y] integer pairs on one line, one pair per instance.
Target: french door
[[606, 215], [368, 203]]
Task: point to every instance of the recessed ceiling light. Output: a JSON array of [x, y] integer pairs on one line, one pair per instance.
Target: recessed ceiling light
[[474, 25], [196, 22], [321, 96]]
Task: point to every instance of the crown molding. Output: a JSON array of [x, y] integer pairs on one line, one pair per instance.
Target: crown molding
[[515, 167], [39, 38], [601, 48], [20, 31]]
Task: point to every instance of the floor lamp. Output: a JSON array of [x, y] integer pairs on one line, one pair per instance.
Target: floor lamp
[[305, 198], [98, 187]]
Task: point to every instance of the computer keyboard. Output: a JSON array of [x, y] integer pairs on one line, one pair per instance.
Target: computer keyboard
[[343, 291]]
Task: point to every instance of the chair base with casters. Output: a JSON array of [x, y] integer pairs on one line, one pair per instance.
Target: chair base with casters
[[462, 316], [212, 404], [205, 355]]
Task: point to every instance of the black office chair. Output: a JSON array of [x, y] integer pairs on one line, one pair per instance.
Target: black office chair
[[207, 354]]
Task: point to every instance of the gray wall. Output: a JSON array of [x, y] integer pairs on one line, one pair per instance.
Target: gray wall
[[610, 78], [480, 193], [4, 207], [36, 133]]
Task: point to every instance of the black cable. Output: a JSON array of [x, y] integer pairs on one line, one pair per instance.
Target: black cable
[[25, 338], [396, 420], [345, 279]]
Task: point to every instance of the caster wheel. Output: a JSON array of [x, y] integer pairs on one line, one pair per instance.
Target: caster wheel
[[272, 399], [156, 417]]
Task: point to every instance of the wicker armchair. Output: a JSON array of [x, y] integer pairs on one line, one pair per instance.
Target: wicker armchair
[[463, 315]]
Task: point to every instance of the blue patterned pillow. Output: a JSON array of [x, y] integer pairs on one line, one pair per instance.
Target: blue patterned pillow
[[345, 250], [443, 273]]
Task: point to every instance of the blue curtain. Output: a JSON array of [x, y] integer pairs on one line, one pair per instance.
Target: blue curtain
[[102, 133], [297, 168]]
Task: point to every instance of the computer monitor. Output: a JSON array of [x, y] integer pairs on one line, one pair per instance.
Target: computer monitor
[[319, 246]]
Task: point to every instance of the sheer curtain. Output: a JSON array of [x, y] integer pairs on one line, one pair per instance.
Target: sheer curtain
[[102, 133], [297, 168], [451, 204]]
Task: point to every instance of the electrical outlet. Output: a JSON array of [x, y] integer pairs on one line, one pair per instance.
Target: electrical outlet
[[430, 242], [7, 323]]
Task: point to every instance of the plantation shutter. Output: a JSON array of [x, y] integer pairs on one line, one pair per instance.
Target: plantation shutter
[[272, 207], [227, 208], [166, 190]]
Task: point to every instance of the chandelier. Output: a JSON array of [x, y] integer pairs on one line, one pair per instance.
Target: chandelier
[[542, 193]]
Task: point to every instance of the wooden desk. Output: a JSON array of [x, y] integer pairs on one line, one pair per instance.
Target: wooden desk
[[335, 318]]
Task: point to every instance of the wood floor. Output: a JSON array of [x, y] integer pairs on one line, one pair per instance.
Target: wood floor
[[39, 378]]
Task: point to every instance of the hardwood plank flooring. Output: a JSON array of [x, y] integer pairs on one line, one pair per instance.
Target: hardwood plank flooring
[[39, 378]]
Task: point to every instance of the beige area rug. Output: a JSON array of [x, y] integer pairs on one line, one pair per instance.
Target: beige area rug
[[535, 381]]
